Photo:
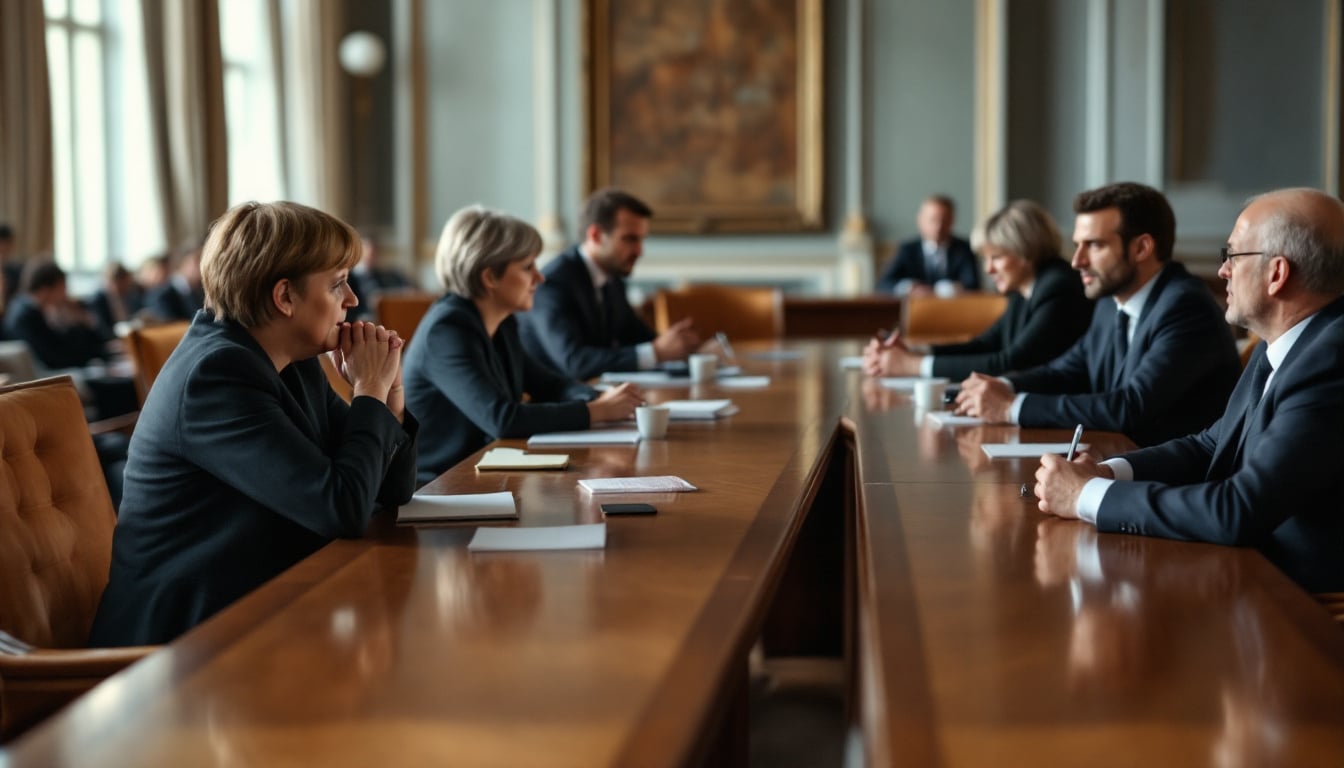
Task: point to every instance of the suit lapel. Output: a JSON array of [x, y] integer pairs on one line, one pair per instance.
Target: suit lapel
[[586, 298]]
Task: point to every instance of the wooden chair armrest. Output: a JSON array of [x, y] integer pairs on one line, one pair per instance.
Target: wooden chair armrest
[[71, 663], [124, 423]]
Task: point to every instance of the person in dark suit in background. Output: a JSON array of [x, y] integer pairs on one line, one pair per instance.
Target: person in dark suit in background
[[182, 295], [1046, 311], [119, 300], [59, 330], [467, 372], [1266, 474], [936, 261], [581, 322], [244, 461], [370, 279], [1156, 363]]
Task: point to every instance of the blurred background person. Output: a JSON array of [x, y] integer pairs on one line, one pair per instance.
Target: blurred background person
[[935, 262], [467, 372], [371, 278], [119, 299], [182, 295], [1047, 310]]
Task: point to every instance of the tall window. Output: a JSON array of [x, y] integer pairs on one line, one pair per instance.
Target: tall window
[[250, 101], [107, 202]]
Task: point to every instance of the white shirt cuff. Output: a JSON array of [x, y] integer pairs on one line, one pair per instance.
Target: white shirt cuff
[[1122, 469], [648, 359], [1089, 499], [1015, 408], [902, 287], [926, 366]]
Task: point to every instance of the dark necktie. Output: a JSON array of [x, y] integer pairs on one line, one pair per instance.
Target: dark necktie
[[1225, 458], [1121, 342]]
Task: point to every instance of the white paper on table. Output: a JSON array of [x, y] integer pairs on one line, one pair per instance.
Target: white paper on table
[[745, 382], [1025, 450], [513, 458], [424, 508], [950, 419], [651, 484], [728, 371], [587, 437], [900, 383], [586, 536], [852, 362], [683, 410], [642, 378]]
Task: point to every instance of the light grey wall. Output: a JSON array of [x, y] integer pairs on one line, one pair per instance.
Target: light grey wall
[[922, 111]]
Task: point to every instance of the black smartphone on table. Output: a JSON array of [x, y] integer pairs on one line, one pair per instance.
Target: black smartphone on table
[[628, 509]]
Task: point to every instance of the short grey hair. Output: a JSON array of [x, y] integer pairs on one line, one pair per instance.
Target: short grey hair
[[1021, 227], [476, 239], [1317, 255]]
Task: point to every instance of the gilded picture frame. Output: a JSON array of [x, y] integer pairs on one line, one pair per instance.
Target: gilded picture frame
[[709, 110]]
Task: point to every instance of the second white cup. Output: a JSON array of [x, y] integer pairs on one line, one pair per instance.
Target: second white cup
[[703, 367], [929, 393], [652, 421]]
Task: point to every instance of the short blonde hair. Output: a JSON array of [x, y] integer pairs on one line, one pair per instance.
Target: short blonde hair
[[255, 245], [1023, 228], [476, 239]]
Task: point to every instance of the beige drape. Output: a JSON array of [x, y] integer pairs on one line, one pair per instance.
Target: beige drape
[[317, 156], [186, 93], [26, 196]]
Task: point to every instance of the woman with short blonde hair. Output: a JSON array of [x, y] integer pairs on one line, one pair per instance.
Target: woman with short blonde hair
[[1046, 313], [244, 461], [467, 372]]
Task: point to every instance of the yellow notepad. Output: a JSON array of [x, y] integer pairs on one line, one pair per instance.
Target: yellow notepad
[[512, 458]]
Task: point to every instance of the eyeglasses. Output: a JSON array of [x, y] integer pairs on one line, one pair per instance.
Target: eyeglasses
[[1225, 256]]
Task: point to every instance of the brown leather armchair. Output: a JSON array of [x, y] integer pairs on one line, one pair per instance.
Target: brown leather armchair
[[402, 312], [743, 313], [932, 319], [56, 524], [149, 348]]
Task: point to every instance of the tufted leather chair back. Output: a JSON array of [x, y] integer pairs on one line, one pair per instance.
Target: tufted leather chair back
[[744, 313], [149, 348], [56, 516]]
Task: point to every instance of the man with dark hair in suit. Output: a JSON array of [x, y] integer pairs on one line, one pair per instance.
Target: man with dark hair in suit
[[1156, 363], [935, 262], [60, 331], [182, 295], [1266, 474], [581, 322]]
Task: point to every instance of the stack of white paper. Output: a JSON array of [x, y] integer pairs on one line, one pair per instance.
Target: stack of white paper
[[655, 484], [643, 378], [745, 382], [682, 410], [950, 419], [587, 437], [852, 362], [587, 536], [463, 506]]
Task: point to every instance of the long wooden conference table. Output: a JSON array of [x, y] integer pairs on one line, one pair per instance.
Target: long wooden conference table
[[832, 520]]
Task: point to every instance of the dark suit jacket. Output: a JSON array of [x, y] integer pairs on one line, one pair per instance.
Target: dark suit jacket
[[908, 264], [467, 388], [1181, 365], [168, 303], [1278, 488], [1029, 332], [566, 329], [53, 347], [235, 473], [100, 304]]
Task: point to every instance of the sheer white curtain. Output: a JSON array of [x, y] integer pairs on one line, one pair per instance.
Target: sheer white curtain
[[26, 196]]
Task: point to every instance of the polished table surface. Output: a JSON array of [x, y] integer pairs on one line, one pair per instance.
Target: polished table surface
[[981, 631]]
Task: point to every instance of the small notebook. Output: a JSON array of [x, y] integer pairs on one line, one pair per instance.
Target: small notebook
[[512, 458], [950, 419], [1025, 450], [654, 484], [426, 508], [745, 382], [587, 437], [586, 536], [642, 378], [684, 410]]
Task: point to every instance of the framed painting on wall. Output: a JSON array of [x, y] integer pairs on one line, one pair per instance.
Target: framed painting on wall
[[709, 110]]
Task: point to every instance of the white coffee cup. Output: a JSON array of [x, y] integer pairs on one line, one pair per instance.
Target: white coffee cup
[[652, 421], [929, 393], [703, 367]]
